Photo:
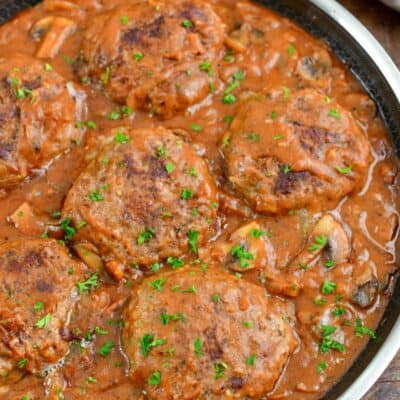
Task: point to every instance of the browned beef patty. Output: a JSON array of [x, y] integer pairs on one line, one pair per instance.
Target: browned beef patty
[[294, 150], [37, 294], [205, 334], [147, 196], [38, 113], [154, 57]]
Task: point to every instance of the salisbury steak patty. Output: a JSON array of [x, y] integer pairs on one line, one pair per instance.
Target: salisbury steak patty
[[38, 292], [288, 151], [194, 334], [156, 57], [147, 196], [38, 113]]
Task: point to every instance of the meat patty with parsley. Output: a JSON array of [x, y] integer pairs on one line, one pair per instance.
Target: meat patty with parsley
[[147, 197], [157, 57], [201, 333], [38, 113], [295, 150], [38, 291]]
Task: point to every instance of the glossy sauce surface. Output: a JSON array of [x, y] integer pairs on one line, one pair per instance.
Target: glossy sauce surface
[[261, 54]]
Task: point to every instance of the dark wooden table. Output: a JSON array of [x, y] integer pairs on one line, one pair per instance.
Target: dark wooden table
[[384, 23]]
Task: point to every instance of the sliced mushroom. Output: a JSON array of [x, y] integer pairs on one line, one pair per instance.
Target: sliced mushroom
[[52, 33], [239, 39], [328, 237], [314, 67], [25, 220], [361, 105], [87, 253], [366, 286], [245, 250]]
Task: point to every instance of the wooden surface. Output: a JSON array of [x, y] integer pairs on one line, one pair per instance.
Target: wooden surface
[[384, 23]]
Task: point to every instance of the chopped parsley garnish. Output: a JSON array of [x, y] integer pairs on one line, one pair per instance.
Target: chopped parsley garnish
[[363, 330], [186, 23], [319, 243], [338, 311], [148, 341], [42, 323], [254, 137], [21, 363], [38, 306], [251, 360], [124, 19], [228, 119], [206, 67], [286, 169], [69, 230], [248, 324], [344, 170], [106, 76], [158, 284], [175, 262], [219, 369], [120, 137], [90, 283], [186, 194], [192, 172], [321, 367], [106, 348], [286, 92], [229, 97], [48, 67], [138, 56], [193, 237], [170, 167], [327, 343], [154, 378], [191, 289], [274, 114], [196, 128], [239, 252], [334, 113], [256, 233], [166, 318], [145, 236], [328, 287], [319, 301], [114, 116], [329, 264], [95, 196], [215, 298], [198, 348], [291, 49]]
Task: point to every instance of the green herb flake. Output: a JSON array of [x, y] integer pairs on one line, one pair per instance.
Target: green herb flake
[[186, 194], [344, 170], [175, 262], [22, 363], [193, 237], [38, 306], [319, 242], [106, 348], [219, 369], [124, 20], [138, 56], [186, 23], [363, 330], [251, 360], [148, 342], [158, 284], [334, 113], [321, 367], [145, 236], [170, 167], [198, 348], [154, 378], [328, 287], [95, 196], [120, 137], [239, 252], [196, 128], [42, 323], [90, 283]]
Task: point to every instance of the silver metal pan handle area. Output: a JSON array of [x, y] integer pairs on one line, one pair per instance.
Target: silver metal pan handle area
[[391, 73]]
